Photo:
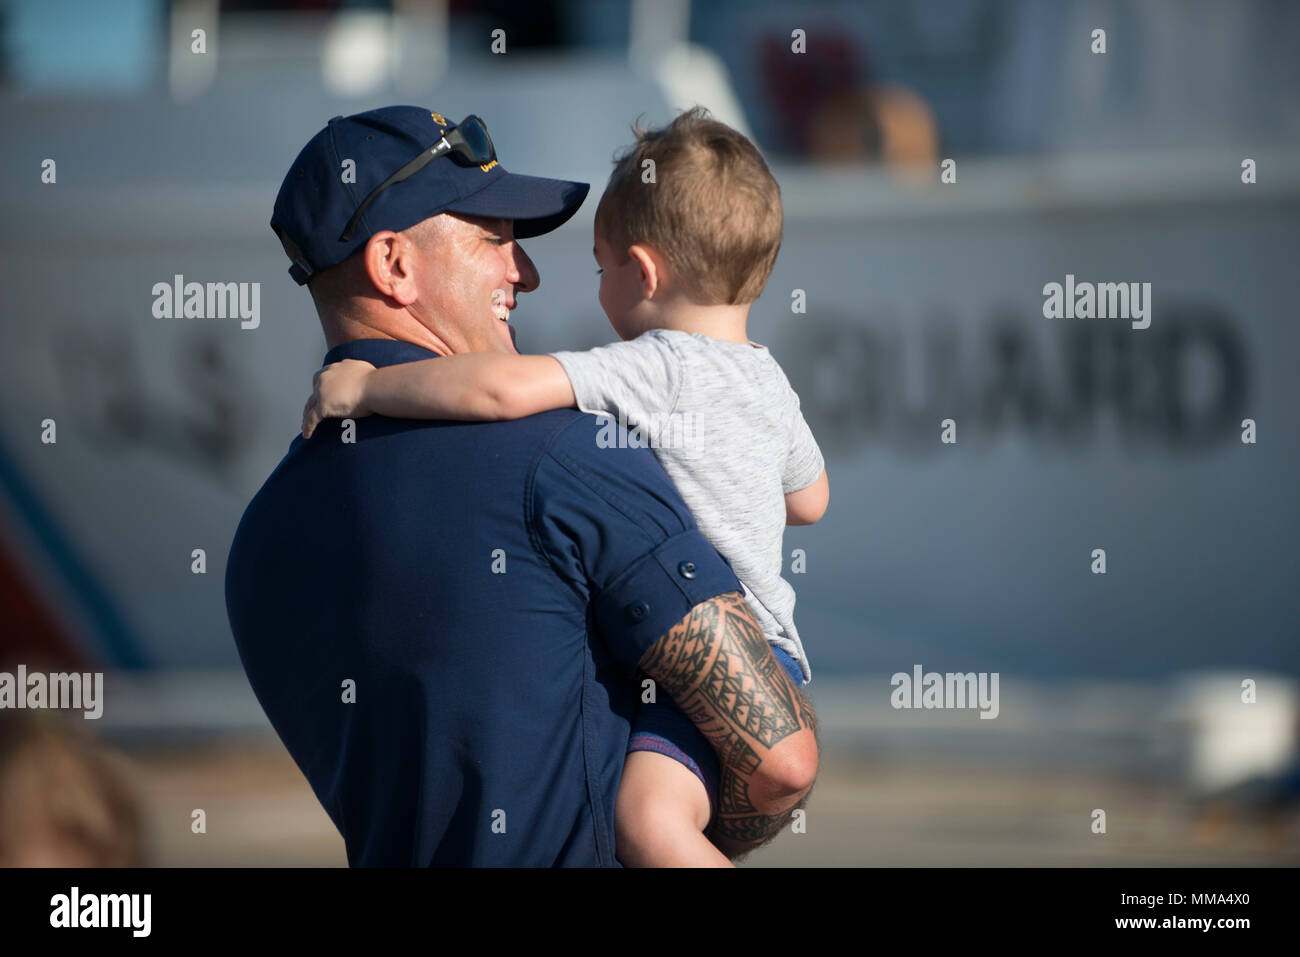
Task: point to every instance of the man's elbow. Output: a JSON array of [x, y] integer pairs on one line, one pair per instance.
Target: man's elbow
[[791, 769], [801, 773]]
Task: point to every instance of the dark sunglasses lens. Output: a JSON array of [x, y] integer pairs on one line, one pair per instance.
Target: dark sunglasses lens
[[476, 137]]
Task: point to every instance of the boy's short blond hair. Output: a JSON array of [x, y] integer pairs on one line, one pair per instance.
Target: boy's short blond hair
[[713, 210]]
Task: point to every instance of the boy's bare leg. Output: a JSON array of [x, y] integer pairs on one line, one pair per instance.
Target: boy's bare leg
[[660, 815]]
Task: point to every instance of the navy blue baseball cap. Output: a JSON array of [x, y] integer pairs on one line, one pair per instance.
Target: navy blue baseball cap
[[318, 198]]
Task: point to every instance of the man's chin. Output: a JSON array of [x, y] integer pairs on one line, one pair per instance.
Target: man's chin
[[507, 336]]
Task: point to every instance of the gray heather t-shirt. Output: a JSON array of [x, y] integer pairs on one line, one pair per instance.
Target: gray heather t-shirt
[[726, 426]]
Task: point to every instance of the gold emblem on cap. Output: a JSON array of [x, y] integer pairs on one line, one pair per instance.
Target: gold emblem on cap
[[439, 119]]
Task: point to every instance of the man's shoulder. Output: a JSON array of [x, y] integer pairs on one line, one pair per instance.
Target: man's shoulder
[[598, 442], [567, 434], [594, 455], [535, 430], [580, 441], [405, 447]]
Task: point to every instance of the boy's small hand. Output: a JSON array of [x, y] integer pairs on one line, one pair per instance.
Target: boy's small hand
[[338, 392]]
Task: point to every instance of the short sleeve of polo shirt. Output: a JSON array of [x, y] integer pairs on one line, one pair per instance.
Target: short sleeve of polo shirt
[[614, 528], [636, 382]]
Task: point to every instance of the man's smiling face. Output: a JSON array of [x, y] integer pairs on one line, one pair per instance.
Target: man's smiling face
[[470, 271]]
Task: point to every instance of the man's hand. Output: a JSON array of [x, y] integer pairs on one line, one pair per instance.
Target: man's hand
[[718, 667], [338, 392]]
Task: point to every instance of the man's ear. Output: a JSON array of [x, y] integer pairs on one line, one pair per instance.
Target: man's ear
[[390, 261], [653, 269]]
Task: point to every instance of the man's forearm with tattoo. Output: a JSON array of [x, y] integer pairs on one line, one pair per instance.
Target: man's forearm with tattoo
[[718, 667]]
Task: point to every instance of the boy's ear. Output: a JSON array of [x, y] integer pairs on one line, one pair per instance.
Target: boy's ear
[[653, 269]]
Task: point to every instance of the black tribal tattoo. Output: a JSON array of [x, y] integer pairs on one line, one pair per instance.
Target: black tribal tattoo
[[718, 668]]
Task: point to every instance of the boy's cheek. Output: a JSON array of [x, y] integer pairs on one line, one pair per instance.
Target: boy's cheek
[[608, 301]]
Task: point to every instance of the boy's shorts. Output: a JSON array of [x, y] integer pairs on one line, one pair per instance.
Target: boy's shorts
[[663, 727]]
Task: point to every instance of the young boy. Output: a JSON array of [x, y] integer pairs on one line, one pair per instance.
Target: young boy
[[682, 258]]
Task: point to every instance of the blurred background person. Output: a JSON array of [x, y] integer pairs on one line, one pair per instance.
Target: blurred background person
[[65, 801]]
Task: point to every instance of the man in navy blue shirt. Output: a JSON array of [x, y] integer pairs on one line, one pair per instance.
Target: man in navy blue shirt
[[444, 621]]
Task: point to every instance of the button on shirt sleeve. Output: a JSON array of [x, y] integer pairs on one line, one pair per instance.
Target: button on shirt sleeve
[[612, 525]]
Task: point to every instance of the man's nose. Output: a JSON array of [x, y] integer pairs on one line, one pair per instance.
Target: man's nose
[[522, 271]]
